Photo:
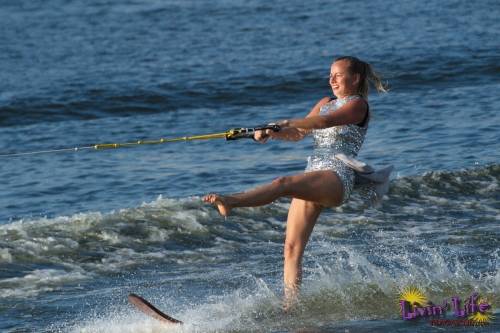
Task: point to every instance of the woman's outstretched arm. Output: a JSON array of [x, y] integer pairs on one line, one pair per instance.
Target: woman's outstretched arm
[[291, 133], [354, 112]]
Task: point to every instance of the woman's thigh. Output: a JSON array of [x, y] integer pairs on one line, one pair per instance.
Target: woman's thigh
[[323, 187]]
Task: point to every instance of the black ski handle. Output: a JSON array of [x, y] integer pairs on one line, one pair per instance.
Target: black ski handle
[[248, 133]]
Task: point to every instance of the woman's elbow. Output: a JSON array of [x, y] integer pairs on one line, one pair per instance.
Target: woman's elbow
[[323, 123]]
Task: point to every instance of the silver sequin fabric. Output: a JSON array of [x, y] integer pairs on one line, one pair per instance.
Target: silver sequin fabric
[[346, 139]]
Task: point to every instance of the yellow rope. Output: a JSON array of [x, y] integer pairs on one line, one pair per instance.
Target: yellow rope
[[163, 140], [232, 134], [227, 135]]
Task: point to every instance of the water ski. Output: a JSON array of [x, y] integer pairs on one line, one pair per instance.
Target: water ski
[[151, 310]]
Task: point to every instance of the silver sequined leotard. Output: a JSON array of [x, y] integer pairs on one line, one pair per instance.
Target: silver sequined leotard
[[346, 139]]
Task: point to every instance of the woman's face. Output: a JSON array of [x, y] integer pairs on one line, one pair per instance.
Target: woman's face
[[343, 83]]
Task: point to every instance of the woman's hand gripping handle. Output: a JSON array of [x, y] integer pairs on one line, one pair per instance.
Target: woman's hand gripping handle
[[285, 132], [263, 133]]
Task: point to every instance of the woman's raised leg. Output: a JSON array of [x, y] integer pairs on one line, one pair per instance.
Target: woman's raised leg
[[323, 187], [311, 191], [302, 217]]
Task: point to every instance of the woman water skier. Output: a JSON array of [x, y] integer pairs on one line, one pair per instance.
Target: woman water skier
[[338, 125]]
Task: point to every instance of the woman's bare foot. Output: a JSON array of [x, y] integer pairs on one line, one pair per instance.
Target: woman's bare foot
[[290, 299], [220, 201]]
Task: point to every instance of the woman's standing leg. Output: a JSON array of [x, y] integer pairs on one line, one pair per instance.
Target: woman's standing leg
[[302, 217]]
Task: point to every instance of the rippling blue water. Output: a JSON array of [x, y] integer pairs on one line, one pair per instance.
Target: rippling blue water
[[79, 231]]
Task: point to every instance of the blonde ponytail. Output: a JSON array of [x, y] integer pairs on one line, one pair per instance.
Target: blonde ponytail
[[375, 79]]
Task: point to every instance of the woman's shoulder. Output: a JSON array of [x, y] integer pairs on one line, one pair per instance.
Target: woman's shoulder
[[316, 110], [360, 104], [358, 100], [326, 99]]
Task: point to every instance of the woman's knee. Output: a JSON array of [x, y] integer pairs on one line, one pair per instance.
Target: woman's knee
[[287, 185], [282, 182]]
